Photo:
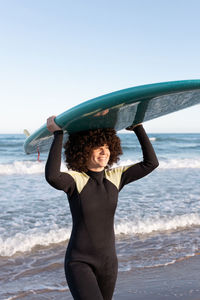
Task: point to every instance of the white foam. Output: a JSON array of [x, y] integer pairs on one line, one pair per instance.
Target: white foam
[[180, 164], [35, 167], [23, 242], [152, 139], [24, 167], [157, 224], [172, 262], [172, 163]]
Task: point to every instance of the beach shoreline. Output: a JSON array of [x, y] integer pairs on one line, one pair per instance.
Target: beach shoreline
[[174, 281], [170, 282]]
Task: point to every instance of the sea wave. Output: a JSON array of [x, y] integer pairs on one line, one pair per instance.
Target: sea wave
[[22, 167], [25, 242], [183, 163], [34, 167], [153, 139], [171, 262], [158, 224]]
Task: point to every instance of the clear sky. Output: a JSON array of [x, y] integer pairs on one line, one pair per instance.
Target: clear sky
[[56, 54]]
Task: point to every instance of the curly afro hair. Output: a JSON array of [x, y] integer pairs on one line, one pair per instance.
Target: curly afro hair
[[79, 147]]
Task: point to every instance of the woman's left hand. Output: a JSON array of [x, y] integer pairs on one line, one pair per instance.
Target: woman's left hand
[[133, 126]]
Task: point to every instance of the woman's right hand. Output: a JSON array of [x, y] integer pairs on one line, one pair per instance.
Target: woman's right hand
[[51, 125]]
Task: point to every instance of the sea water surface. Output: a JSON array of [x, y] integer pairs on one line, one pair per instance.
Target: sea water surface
[[157, 221]]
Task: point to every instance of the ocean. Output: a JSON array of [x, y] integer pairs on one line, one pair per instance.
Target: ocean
[[157, 222]]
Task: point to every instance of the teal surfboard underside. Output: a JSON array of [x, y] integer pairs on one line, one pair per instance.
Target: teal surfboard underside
[[120, 109]]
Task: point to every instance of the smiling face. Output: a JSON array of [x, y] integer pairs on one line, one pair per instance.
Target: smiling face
[[81, 150], [99, 158]]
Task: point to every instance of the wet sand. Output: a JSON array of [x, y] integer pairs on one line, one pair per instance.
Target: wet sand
[[175, 281]]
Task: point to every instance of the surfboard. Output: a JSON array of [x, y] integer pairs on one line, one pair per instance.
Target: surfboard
[[119, 110]]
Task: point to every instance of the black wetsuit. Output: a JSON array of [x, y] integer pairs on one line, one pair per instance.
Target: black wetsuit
[[91, 261]]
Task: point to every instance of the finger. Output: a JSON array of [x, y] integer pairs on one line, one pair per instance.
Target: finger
[[50, 120]]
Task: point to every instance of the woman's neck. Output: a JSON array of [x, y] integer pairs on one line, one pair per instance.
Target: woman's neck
[[100, 169]]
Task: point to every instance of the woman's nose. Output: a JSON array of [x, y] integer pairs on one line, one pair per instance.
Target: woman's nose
[[103, 151]]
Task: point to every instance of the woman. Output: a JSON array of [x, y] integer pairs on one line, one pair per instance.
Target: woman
[[92, 189]]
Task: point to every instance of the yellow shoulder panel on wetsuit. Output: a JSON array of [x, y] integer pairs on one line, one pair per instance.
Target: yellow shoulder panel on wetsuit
[[81, 179], [114, 175]]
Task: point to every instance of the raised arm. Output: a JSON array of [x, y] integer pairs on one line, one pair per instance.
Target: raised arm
[[53, 175], [149, 163]]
